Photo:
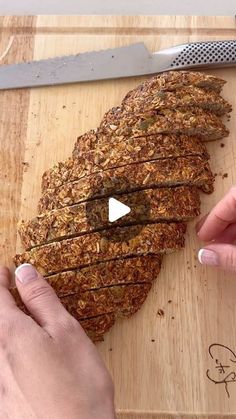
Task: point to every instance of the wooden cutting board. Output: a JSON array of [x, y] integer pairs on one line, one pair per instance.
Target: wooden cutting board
[[159, 358]]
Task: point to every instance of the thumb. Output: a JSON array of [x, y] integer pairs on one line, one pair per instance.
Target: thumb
[[38, 296], [219, 255]]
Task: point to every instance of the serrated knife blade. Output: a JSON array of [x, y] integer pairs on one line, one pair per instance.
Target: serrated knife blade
[[128, 61]]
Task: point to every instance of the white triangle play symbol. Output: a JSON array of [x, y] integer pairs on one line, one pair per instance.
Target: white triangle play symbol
[[117, 210]]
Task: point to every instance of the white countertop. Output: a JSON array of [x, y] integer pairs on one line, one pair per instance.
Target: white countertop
[[122, 7]]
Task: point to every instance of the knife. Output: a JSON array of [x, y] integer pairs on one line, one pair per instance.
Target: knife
[[128, 61]]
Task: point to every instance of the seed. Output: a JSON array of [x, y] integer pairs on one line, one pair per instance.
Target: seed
[[103, 244], [113, 127]]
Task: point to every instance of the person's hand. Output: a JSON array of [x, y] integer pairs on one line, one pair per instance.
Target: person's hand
[[218, 228], [49, 367]]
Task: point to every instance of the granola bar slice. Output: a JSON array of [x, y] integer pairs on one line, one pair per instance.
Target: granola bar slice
[[184, 98], [164, 204], [123, 300], [134, 270], [112, 154], [195, 121], [120, 242], [159, 173], [173, 80]]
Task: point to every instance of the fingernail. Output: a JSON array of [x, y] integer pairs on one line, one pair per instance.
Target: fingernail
[[26, 273], [208, 257]]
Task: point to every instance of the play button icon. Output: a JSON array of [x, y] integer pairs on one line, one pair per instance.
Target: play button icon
[[116, 210], [106, 209]]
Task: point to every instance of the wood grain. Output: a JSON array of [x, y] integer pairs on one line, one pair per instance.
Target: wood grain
[[14, 107], [159, 363]]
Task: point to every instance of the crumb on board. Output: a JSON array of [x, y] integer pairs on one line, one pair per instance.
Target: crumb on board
[[110, 349], [25, 165], [160, 312], [64, 107], [225, 175], [172, 318], [169, 301], [152, 340], [222, 145]]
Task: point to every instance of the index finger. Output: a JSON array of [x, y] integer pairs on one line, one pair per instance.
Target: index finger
[[223, 214]]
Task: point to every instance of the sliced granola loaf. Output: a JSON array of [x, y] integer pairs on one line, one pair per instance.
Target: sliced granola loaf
[[193, 171], [112, 154], [135, 270], [184, 98], [206, 125], [164, 204], [148, 153], [92, 248]]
